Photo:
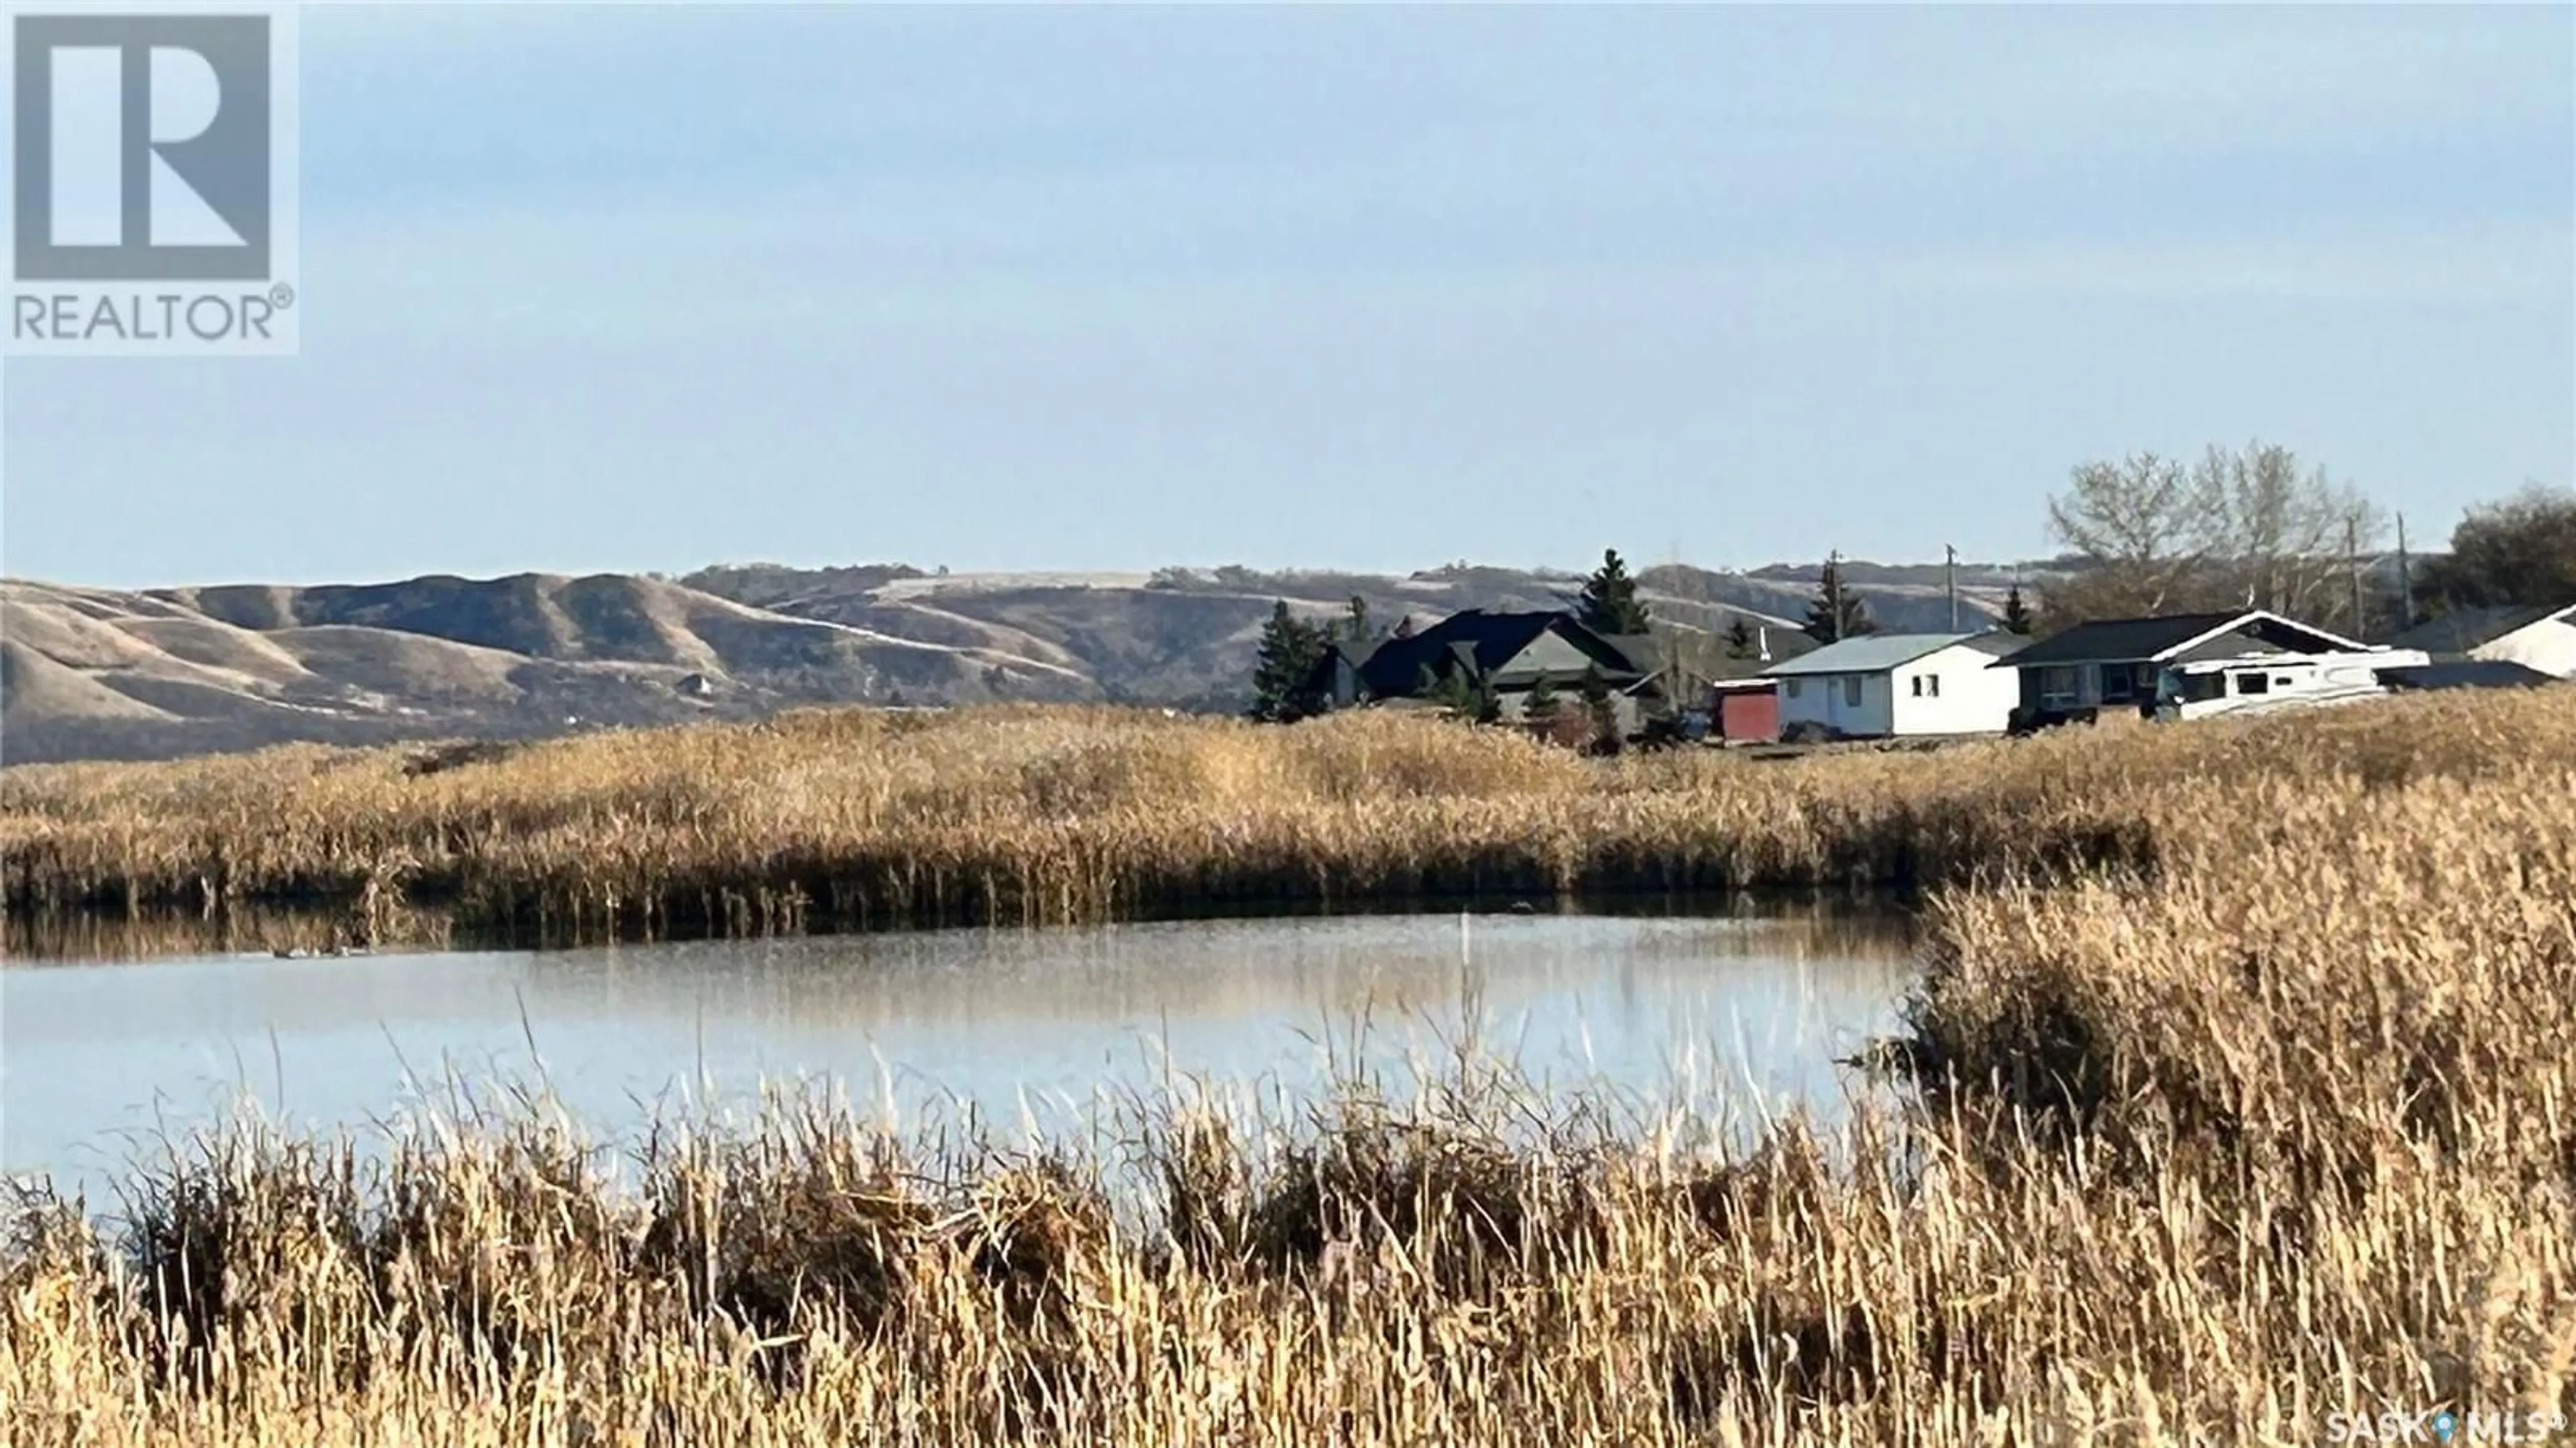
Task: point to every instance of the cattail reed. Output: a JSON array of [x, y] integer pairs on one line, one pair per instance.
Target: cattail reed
[[856, 818], [2233, 1106]]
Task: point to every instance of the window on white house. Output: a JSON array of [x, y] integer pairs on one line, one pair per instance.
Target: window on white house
[[2253, 684], [1851, 691], [1927, 686]]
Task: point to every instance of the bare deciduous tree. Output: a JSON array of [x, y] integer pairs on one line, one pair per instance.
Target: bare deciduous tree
[[2284, 539], [2143, 524], [2241, 528]]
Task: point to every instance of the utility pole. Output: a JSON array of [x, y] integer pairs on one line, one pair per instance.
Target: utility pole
[[2352, 557], [2405, 577], [1950, 582], [1834, 590]]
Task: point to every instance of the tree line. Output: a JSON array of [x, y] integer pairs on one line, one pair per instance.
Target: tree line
[[2258, 527]]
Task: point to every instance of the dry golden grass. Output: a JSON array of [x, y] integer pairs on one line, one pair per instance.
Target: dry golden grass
[[1014, 815], [2271, 1122]]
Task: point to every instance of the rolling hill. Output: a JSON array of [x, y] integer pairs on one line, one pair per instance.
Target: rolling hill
[[100, 673]]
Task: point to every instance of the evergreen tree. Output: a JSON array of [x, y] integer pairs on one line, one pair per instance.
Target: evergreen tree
[[1485, 705], [1451, 690], [1608, 603], [1836, 613], [1740, 642], [2017, 617], [1355, 627], [1283, 673], [1538, 706]]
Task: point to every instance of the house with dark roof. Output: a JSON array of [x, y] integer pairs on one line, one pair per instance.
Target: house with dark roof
[[2115, 663], [1337, 675], [1880, 686], [1507, 652], [2542, 638]]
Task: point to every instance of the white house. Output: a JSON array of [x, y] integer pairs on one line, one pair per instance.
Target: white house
[[2536, 638], [1885, 685]]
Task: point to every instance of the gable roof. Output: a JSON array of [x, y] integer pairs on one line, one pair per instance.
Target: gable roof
[[1338, 653], [2140, 640], [2228, 643], [1642, 651], [1871, 654], [2471, 628], [1484, 642]]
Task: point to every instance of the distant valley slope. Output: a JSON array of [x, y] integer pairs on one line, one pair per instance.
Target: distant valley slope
[[99, 673]]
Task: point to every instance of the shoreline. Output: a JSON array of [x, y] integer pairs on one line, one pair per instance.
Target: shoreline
[[94, 936], [1023, 815]]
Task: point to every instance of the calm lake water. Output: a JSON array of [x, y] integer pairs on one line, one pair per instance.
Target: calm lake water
[[1034, 1028]]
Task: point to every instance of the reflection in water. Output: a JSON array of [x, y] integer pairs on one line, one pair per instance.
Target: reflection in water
[[101, 935], [1039, 1026]]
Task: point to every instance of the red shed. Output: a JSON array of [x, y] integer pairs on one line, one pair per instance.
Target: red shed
[[1744, 711]]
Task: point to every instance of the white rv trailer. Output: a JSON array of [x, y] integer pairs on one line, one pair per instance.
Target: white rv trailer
[[2257, 683]]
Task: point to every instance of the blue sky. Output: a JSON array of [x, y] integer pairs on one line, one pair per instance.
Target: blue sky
[[645, 288]]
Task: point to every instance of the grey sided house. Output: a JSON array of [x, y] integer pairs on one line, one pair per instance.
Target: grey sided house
[[2114, 663]]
